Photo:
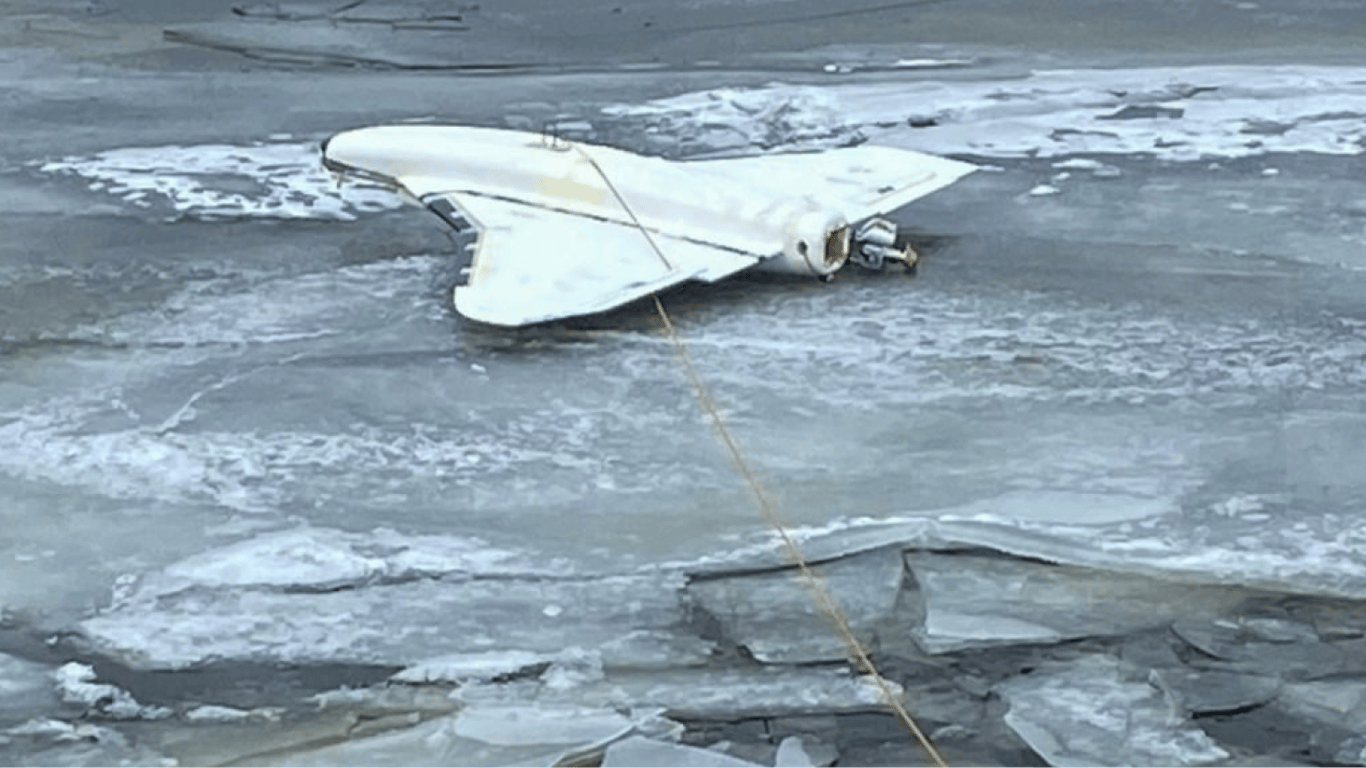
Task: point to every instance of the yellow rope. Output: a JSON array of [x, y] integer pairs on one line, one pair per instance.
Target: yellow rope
[[622, 201], [825, 601], [820, 593]]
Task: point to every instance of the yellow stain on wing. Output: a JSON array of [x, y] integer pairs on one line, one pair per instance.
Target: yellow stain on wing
[[565, 187]]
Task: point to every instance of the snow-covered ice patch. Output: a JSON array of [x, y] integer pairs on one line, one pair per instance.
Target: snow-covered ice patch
[[322, 559], [1176, 113], [480, 666], [279, 180], [1097, 168], [299, 558], [572, 668], [59, 730], [845, 67], [213, 713]]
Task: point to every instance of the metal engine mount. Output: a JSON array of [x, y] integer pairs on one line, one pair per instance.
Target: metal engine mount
[[875, 245]]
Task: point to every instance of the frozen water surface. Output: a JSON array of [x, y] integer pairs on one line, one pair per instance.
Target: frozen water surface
[[1100, 460], [1169, 112], [273, 180]]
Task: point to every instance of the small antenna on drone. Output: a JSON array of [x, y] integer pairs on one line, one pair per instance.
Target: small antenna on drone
[[550, 136]]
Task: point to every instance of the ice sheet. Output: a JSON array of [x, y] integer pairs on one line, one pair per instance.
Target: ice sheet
[[1177, 113], [324, 596]]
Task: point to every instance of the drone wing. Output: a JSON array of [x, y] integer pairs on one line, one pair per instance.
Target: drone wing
[[862, 181], [532, 264]]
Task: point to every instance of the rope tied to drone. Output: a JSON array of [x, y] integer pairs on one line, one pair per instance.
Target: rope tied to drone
[[821, 595]]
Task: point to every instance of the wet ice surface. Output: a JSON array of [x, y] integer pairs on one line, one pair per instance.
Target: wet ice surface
[[1089, 487], [274, 180]]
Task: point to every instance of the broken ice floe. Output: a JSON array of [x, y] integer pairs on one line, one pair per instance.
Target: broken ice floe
[[798, 752], [76, 685], [1123, 533], [472, 667], [270, 180], [1339, 703], [623, 643], [1085, 713], [1338, 709], [702, 693], [1200, 692], [1098, 169], [774, 615], [512, 634], [537, 734], [429, 602], [480, 736], [59, 729], [652, 753], [1298, 639], [980, 601], [320, 560], [1178, 113], [565, 669], [408, 612], [213, 713], [44, 741]]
